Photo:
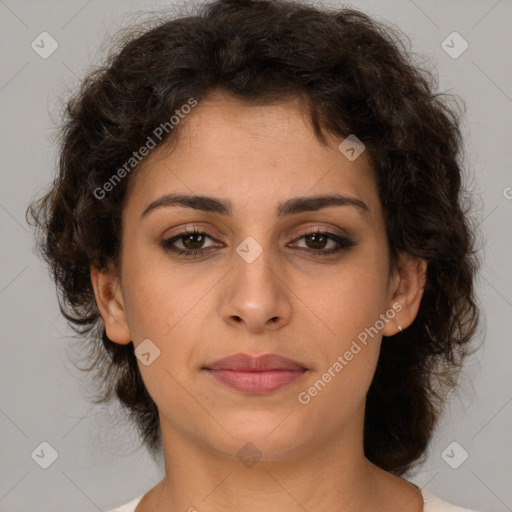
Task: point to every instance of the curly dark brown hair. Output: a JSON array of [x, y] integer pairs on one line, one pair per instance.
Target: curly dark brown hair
[[357, 76]]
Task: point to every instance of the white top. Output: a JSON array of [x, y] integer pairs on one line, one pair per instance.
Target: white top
[[432, 504]]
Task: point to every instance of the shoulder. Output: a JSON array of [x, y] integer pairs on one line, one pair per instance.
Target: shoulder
[[432, 504], [129, 507], [435, 504]]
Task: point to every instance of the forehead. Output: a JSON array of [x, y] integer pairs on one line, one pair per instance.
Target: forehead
[[255, 155]]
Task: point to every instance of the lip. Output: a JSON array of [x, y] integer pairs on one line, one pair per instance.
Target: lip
[[262, 363], [256, 375]]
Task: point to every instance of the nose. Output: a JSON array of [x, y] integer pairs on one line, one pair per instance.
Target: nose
[[256, 295]]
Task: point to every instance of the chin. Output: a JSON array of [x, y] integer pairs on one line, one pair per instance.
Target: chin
[[261, 440]]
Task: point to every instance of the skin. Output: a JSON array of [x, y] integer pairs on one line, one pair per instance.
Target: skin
[[308, 308]]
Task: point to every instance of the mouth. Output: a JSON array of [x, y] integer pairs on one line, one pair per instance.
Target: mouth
[[256, 375]]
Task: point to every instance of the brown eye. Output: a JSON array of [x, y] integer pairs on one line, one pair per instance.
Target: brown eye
[[316, 242], [192, 243]]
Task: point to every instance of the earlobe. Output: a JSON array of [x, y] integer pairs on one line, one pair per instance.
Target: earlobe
[[408, 292], [111, 305]]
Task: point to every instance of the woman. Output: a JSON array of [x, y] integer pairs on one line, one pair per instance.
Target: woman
[[259, 213]]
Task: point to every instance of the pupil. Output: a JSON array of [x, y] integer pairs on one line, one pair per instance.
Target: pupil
[[318, 241], [190, 237], [319, 244]]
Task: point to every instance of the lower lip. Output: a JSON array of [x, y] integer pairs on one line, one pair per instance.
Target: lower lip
[[256, 382]]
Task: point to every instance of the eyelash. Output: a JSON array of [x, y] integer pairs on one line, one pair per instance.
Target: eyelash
[[344, 242]]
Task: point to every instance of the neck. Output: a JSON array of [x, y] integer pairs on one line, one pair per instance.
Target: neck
[[333, 476]]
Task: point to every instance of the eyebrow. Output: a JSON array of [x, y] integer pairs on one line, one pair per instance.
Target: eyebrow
[[225, 207]]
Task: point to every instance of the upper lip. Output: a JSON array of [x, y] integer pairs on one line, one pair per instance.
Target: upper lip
[[264, 362]]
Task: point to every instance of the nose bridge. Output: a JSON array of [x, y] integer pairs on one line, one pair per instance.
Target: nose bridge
[[255, 266], [257, 294]]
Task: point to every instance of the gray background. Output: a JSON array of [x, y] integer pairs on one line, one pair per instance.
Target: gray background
[[100, 463]]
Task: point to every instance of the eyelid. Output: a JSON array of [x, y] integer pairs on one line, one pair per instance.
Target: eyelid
[[343, 241], [212, 233], [194, 228], [324, 229]]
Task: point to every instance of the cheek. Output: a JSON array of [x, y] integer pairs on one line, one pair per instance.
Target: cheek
[[143, 301], [160, 308], [351, 356], [350, 307], [353, 297], [163, 302], [350, 348], [149, 294]]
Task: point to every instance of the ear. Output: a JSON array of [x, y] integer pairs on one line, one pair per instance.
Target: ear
[[110, 303], [406, 286]]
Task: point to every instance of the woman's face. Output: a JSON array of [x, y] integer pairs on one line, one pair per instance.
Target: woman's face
[[261, 285]]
